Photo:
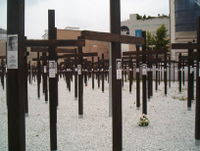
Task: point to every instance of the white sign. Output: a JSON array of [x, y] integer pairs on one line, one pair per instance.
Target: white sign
[[45, 69], [191, 69], [12, 52], [144, 69], [137, 70], [68, 69], [52, 68], [199, 69], [79, 69], [118, 69], [134, 65]]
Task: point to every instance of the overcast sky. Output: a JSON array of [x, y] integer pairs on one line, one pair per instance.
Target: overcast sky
[[86, 14]]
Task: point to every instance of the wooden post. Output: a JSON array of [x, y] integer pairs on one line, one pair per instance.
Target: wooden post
[[15, 88], [169, 58], [137, 78], [116, 84], [183, 71], [144, 78], [156, 82], [192, 80], [45, 76], [179, 73], [148, 79], [102, 74], [189, 91], [159, 73], [130, 75], [174, 71], [165, 73], [123, 75], [76, 78], [98, 73], [25, 71], [38, 74], [53, 83], [80, 84], [2, 68], [93, 72], [151, 80], [197, 114]]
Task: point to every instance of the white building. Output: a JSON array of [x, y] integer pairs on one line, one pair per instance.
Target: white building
[[150, 25]]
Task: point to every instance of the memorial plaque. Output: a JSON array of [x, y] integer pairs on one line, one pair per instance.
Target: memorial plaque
[[79, 69], [144, 69], [12, 52], [52, 68], [118, 69]]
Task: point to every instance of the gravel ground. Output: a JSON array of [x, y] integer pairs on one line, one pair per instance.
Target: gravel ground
[[171, 124]]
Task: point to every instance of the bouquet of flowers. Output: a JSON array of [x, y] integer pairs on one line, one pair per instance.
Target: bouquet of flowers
[[144, 121]]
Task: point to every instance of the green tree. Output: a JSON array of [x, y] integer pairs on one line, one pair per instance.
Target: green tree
[[138, 16], [150, 39], [144, 17], [161, 38]]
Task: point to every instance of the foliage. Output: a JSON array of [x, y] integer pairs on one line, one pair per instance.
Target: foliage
[[144, 121], [159, 40], [150, 39], [138, 16], [181, 98], [144, 17]]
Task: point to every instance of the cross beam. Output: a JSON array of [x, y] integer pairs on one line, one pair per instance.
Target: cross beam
[[185, 46], [151, 52], [79, 55], [58, 50], [54, 42], [111, 37], [2, 57]]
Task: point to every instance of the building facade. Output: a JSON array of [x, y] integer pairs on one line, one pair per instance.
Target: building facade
[[91, 46], [3, 39], [150, 25], [183, 22]]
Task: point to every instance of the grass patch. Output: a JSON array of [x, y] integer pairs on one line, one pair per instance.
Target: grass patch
[[180, 98]]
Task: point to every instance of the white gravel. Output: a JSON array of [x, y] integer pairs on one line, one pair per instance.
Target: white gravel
[[171, 124]]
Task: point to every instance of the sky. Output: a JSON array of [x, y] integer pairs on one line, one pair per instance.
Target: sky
[[86, 14]]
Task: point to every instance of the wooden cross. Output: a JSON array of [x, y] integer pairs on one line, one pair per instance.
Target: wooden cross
[[16, 91], [191, 46]]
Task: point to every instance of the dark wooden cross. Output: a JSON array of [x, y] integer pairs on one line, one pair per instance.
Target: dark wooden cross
[[192, 46], [2, 70], [80, 76], [16, 91]]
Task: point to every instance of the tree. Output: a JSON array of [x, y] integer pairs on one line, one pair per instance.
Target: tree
[[138, 16], [144, 17], [150, 39], [161, 40]]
